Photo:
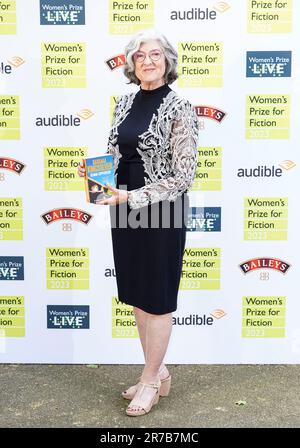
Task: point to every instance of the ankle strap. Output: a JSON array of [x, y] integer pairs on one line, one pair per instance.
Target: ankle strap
[[155, 385]]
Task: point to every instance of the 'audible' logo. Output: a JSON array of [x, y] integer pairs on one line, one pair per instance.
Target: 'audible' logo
[[201, 14], [196, 319], [14, 62], [62, 120], [262, 171]]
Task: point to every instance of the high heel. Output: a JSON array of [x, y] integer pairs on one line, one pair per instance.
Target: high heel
[[164, 390], [165, 386], [137, 401]]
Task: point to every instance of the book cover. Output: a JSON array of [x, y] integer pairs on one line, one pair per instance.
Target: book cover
[[99, 171]]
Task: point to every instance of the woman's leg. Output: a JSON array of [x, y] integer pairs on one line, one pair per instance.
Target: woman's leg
[[156, 332], [141, 318], [141, 322]]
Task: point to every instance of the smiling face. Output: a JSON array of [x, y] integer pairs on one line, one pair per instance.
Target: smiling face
[[150, 72]]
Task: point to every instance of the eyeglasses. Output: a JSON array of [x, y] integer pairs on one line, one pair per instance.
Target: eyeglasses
[[140, 56]]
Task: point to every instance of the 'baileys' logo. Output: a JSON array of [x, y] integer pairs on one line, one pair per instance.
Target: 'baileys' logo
[[115, 62], [66, 213], [210, 112], [264, 263], [11, 164]]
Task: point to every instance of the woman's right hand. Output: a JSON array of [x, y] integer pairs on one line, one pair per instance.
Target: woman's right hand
[[81, 169]]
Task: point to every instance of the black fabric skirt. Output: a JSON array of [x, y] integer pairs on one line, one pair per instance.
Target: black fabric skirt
[[148, 259]]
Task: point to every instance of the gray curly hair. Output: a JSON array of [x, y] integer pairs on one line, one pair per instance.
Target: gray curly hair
[[170, 53]]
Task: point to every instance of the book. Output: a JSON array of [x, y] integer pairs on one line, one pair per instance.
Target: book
[[99, 171]]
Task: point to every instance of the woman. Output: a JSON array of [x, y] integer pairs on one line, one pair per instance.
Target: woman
[[154, 143]]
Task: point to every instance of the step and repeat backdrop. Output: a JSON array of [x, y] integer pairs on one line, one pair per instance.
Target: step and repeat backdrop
[[60, 75]]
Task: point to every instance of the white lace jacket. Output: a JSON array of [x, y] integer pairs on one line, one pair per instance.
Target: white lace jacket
[[168, 149]]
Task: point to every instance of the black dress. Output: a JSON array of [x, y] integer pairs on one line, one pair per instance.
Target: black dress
[[148, 261]]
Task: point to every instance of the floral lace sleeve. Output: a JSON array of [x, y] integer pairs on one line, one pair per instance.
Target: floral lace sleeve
[[183, 143]]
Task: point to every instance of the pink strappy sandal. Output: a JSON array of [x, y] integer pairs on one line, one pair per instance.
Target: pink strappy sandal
[[137, 401], [164, 390]]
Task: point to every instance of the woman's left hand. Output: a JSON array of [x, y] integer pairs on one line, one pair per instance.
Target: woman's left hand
[[118, 197]]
